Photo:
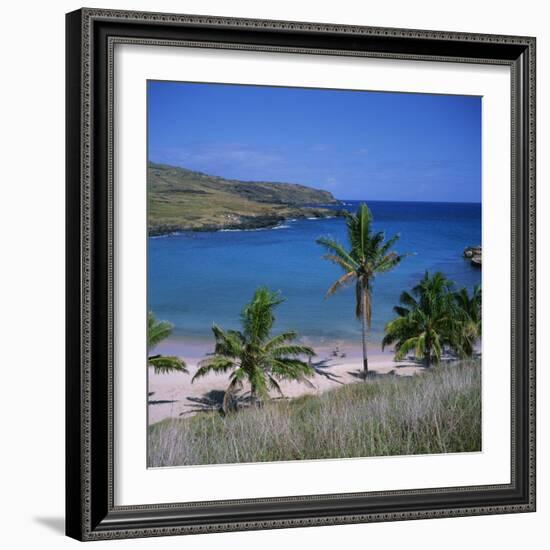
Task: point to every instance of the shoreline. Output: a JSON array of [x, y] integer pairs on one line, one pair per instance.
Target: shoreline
[[252, 223], [173, 395]]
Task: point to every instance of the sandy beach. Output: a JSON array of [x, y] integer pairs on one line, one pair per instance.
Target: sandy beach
[[174, 395]]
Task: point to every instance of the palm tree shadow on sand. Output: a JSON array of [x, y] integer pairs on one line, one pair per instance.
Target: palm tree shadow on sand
[[411, 361], [360, 374], [213, 401], [158, 401], [394, 371], [320, 368]]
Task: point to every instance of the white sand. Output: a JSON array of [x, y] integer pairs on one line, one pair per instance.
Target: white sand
[[174, 395]]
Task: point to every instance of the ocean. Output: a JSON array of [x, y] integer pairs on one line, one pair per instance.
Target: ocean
[[196, 279]]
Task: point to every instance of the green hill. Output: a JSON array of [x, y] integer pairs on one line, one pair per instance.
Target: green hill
[[181, 199]]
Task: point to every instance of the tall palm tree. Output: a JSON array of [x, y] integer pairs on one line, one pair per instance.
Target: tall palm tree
[[253, 355], [157, 331], [468, 330], [426, 320], [369, 254]]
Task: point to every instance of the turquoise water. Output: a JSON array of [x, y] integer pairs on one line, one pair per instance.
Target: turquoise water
[[196, 279]]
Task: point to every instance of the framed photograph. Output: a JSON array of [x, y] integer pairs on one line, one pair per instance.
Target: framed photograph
[[300, 274]]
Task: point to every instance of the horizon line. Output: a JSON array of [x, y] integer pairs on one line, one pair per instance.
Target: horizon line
[[399, 200], [149, 161]]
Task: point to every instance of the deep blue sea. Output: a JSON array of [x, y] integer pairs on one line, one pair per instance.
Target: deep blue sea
[[196, 279]]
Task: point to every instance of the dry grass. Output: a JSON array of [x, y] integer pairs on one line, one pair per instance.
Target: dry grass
[[436, 412]]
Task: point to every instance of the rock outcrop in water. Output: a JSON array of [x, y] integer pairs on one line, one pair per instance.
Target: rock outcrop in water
[[473, 253]]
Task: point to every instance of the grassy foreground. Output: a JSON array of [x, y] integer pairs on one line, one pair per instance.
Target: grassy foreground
[[436, 412]]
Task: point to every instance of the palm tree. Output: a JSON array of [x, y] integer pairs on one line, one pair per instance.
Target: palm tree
[[468, 322], [426, 320], [254, 355], [368, 255], [157, 331]]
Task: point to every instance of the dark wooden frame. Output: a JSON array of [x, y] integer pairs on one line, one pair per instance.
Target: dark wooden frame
[[90, 510]]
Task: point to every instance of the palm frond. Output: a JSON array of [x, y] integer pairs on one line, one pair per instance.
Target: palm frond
[[217, 364], [437, 347], [292, 369], [334, 248], [257, 317], [372, 244], [167, 363], [401, 311], [258, 384], [388, 244], [346, 267], [405, 347], [408, 300], [294, 350], [280, 339], [359, 226], [388, 262], [157, 331], [275, 385], [420, 347], [398, 330], [228, 343], [467, 323], [343, 281]]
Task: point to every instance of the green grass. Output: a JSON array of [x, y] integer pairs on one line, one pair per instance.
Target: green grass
[[436, 412], [180, 199]]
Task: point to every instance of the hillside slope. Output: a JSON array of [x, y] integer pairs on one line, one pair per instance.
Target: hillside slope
[[181, 199]]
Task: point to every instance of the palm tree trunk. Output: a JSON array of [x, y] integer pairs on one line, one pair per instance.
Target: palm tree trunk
[[253, 397], [364, 326], [428, 353]]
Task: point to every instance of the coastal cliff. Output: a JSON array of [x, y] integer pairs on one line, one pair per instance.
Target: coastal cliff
[[185, 200]]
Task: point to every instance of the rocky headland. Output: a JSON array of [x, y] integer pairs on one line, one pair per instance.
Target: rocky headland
[[185, 200]]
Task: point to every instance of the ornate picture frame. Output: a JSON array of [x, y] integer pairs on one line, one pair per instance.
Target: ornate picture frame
[[92, 35]]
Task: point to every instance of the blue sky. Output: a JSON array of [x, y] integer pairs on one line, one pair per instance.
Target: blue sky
[[356, 144]]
